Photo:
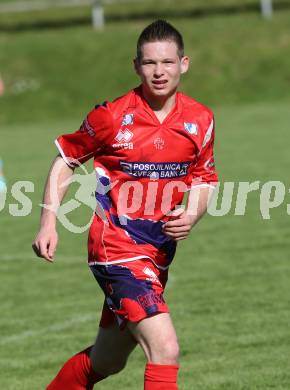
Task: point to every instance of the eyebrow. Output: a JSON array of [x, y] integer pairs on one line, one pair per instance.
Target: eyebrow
[[151, 59]]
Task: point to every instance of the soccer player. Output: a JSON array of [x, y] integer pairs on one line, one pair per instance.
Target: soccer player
[[149, 147]]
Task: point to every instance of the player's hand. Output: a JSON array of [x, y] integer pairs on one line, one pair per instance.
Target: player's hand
[[179, 225], [45, 243]]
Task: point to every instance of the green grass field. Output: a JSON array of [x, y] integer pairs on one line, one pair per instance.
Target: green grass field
[[229, 285]]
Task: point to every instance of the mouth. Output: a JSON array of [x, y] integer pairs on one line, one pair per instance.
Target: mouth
[[159, 84]]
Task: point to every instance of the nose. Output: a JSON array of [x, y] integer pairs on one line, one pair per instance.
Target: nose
[[158, 70]]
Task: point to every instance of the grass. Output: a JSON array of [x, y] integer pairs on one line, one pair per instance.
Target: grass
[[229, 284], [229, 288]]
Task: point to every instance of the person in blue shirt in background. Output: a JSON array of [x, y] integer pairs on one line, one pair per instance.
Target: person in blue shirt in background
[[2, 178]]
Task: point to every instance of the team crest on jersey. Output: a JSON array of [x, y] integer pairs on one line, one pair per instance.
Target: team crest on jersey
[[159, 143], [191, 128], [124, 135], [128, 120]]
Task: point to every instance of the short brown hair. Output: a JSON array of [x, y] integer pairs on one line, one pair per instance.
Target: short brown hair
[[160, 30]]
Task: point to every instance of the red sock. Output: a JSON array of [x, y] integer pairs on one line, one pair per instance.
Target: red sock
[[76, 374], [160, 377]]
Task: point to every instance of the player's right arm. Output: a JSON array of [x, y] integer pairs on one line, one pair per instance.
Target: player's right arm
[[55, 189], [75, 149]]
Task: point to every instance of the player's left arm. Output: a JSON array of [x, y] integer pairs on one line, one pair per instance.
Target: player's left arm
[[203, 178], [183, 220]]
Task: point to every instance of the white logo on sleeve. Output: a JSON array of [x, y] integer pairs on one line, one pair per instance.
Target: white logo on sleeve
[[124, 135], [191, 128]]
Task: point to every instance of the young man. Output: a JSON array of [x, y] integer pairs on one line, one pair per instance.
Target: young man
[[149, 147]]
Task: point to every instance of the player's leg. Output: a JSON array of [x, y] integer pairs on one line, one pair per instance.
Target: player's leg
[[111, 350], [106, 357], [157, 337], [76, 374], [134, 293]]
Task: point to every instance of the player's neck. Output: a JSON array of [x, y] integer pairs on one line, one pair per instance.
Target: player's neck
[[161, 106]]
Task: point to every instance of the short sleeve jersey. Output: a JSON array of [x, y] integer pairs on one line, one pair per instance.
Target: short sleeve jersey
[[143, 168]]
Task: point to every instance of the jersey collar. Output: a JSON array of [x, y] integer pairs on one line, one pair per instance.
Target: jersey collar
[[138, 99]]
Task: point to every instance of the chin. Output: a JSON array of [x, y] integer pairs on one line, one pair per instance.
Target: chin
[[161, 92]]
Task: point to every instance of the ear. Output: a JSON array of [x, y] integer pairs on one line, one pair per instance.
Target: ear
[[184, 64], [136, 66]]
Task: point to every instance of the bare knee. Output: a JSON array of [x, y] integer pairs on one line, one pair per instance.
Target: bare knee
[[111, 350], [172, 352], [158, 339], [164, 353]]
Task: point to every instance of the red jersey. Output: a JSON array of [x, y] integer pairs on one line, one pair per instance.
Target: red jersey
[[143, 169]]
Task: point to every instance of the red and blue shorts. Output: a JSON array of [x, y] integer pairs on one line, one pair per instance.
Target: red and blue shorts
[[133, 291]]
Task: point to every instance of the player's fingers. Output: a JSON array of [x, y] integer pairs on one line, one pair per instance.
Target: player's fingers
[[43, 245], [174, 223], [176, 213], [179, 238], [177, 235], [177, 229], [35, 247], [52, 247]]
